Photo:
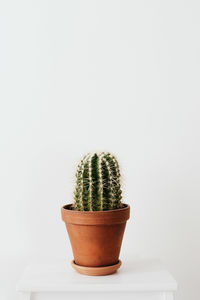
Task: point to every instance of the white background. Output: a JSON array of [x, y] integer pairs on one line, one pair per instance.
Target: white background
[[120, 76]]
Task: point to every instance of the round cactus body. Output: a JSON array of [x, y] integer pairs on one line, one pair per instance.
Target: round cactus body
[[97, 183]]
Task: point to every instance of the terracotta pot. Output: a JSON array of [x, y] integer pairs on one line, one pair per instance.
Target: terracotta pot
[[95, 236]]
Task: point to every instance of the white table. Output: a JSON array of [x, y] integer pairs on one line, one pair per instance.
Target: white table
[[137, 280]]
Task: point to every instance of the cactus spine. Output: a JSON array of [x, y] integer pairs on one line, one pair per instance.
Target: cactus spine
[[97, 183]]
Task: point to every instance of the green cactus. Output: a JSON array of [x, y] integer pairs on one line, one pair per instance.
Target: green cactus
[[97, 183]]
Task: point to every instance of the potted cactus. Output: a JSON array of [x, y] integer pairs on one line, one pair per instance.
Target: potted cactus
[[96, 220]]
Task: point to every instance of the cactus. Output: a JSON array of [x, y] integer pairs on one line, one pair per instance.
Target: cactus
[[97, 183]]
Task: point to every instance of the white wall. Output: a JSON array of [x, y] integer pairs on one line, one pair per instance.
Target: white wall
[[122, 76]]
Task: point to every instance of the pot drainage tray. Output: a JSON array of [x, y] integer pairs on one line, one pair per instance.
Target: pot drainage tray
[[96, 271]]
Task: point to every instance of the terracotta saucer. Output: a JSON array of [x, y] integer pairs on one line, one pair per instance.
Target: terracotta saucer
[[96, 271]]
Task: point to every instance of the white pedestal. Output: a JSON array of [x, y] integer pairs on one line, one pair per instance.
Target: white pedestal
[[139, 280]]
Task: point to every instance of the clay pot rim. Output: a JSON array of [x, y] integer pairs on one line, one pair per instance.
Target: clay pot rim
[[68, 206], [105, 217]]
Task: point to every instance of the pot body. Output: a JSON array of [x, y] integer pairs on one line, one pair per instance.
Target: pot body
[[95, 236]]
